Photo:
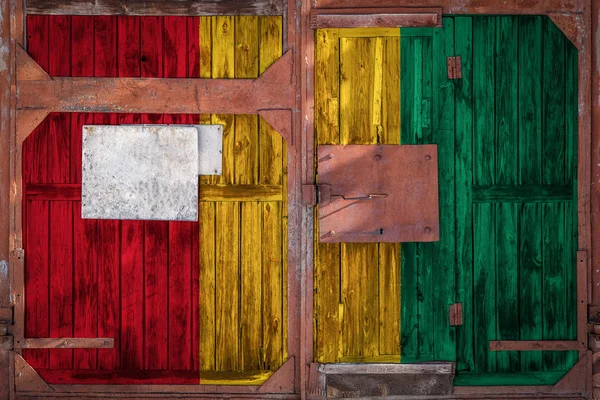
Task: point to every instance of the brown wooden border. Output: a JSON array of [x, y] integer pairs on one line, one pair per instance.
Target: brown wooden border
[[380, 17]]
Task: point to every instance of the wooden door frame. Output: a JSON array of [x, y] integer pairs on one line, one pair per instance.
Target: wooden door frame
[[574, 18]]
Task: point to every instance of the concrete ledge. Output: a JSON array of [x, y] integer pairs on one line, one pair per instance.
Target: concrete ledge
[[383, 380]]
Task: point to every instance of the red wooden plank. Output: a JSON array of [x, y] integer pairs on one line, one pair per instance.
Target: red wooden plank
[[156, 295], [193, 71], [61, 227], [132, 232], [85, 286], [82, 64], [36, 280], [61, 279], [105, 64], [175, 59]]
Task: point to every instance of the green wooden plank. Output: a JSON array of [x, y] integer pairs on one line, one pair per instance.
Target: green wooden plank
[[409, 317], [412, 32], [530, 127], [522, 193], [484, 290], [507, 285], [484, 157], [443, 251], [507, 379], [553, 172], [463, 182]]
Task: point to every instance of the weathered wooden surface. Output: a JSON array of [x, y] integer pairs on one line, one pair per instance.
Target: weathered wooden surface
[[375, 18], [159, 323], [156, 7], [515, 245], [67, 343], [357, 286]]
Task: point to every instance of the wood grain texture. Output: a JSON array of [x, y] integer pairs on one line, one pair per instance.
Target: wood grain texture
[[357, 286], [156, 7]]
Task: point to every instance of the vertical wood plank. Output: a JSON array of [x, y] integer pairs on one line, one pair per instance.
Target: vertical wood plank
[[85, 285], [223, 66], [205, 65], [208, 283], [484, 276], [227, 217], [327, 256], [246, 172], [507, 305], [389, 253], [37, 280], [61, 229], [359, 288], [530, 136], [554, 293], [175, 60], [105, 65], [463, 184], [132, 232], [271, 172]]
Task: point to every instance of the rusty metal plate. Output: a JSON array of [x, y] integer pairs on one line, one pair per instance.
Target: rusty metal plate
[[378, 193]]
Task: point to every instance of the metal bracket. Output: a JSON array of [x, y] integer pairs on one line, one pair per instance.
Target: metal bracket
[[454, 67], [456, 315]]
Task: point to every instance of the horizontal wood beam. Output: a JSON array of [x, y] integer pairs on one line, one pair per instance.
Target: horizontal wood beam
[[66, 343], [375, 17], [532, 345], [513, 7], [155, 7], [211, 192], [38, 94]]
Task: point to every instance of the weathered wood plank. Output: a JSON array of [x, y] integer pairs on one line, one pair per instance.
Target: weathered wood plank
[[207, 256], [530, 141], [156, 7], [271, 172], [551, 193], [389, 254], [463, 161], [327, 255], [67, 343], [227, 287], [359, 288]]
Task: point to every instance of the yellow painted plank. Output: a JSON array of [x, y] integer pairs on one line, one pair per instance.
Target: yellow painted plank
[[223, 59], [207, 285], [205, 32], [389, 253], [246, 126], [227, 286], [251, 291], [270, 141], [246, 172], [271, 172], [360, 291], [272, 286], [327, 324]]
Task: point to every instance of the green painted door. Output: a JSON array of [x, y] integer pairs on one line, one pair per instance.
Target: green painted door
[[506, 135]]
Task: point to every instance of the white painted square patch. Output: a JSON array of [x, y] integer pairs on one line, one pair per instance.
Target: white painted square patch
[[140, 172]]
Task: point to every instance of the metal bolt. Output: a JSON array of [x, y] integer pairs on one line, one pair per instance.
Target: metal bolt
[[427, 157], [427, 229], [377, 157]]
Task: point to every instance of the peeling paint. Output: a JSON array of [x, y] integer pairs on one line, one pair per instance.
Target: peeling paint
[[3, 270]]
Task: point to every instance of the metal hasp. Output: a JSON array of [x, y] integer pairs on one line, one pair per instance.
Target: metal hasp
[[378, 193]]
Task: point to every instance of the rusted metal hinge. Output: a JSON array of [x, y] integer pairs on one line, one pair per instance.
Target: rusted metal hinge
[[454, 67], [456, 316]]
